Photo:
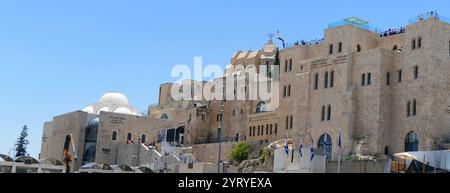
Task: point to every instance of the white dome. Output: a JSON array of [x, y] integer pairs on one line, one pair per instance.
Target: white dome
[[106, 109], [89, 109], [114, 98], [123, 110]]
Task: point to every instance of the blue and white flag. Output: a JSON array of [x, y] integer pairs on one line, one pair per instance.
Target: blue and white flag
[[286, 147], [300, 149], [311, 149]]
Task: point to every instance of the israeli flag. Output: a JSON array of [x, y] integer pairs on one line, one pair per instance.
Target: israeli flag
[[286, 147], [300, 150], [311, 149]]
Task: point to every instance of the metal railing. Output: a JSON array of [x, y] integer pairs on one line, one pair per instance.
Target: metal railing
[[362, 26]]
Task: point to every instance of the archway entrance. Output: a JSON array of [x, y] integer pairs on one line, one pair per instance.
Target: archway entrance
[[325, 144], [411, 142]]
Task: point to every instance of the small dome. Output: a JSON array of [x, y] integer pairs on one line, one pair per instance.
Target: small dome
[[123, 110], [114, 98], [105, 109], [269, 47], [89, 109]]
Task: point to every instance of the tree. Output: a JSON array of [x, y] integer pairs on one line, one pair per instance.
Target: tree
[[277, 58], [240, 151], [22, 142]]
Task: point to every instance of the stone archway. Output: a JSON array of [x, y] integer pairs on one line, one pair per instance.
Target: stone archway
[[411, 142]]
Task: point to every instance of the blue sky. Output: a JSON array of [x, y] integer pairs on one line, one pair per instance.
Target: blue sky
[[59, 56]]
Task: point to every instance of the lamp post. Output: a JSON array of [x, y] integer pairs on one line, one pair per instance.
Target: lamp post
[[219, 134]]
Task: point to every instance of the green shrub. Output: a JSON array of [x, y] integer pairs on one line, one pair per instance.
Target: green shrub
[[240, 151], [263, 154]]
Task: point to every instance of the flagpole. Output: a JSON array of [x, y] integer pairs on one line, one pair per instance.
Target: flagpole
[[340, 150], [339, 163]]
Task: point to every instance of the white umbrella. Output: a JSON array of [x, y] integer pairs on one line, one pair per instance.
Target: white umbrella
[[405, 156]]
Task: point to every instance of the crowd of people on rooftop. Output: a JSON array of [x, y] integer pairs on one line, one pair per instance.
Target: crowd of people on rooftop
[[391, 32], [431, 14], [313, 42]]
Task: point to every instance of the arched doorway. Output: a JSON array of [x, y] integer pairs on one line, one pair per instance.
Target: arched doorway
[[90, 141], [411, 142], [325, 143]]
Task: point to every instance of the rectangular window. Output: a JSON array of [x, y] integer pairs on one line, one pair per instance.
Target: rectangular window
[[267, 129], [329, 112], [416, 72], [330, 51], [285, 66], [323, 114], [408, 109], [369, 78], [316, 81], [326, 80], [388, 78], [414, 109], [289, 90], [254, 130], [363, 79], [250, 131], [290, 65], [276, 129], [400, 76], [414, 44], [271, 127], [284, 91], [290, 126], [332, 79], [340, 47], [287, 122], [259, 130]]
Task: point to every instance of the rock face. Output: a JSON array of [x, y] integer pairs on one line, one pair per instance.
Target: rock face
[[249, 166]]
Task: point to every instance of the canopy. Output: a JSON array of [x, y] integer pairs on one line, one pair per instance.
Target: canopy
[[27, 160], [96, 166], [405, 156], [6, 158], [122, 167]]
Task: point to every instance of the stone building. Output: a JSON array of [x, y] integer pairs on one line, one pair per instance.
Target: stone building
[[387, 93]]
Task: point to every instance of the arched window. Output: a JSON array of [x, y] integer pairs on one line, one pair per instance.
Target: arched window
[[90, 141], [164, 116], [326, 145], [358, 48], [419, 42], [411, 142], [413, 44], [143, 138], [261, 107], [395, 47], [114, 135], [129, 136]]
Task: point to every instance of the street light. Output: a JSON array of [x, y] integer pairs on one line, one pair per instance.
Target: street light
[[219, 134]]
